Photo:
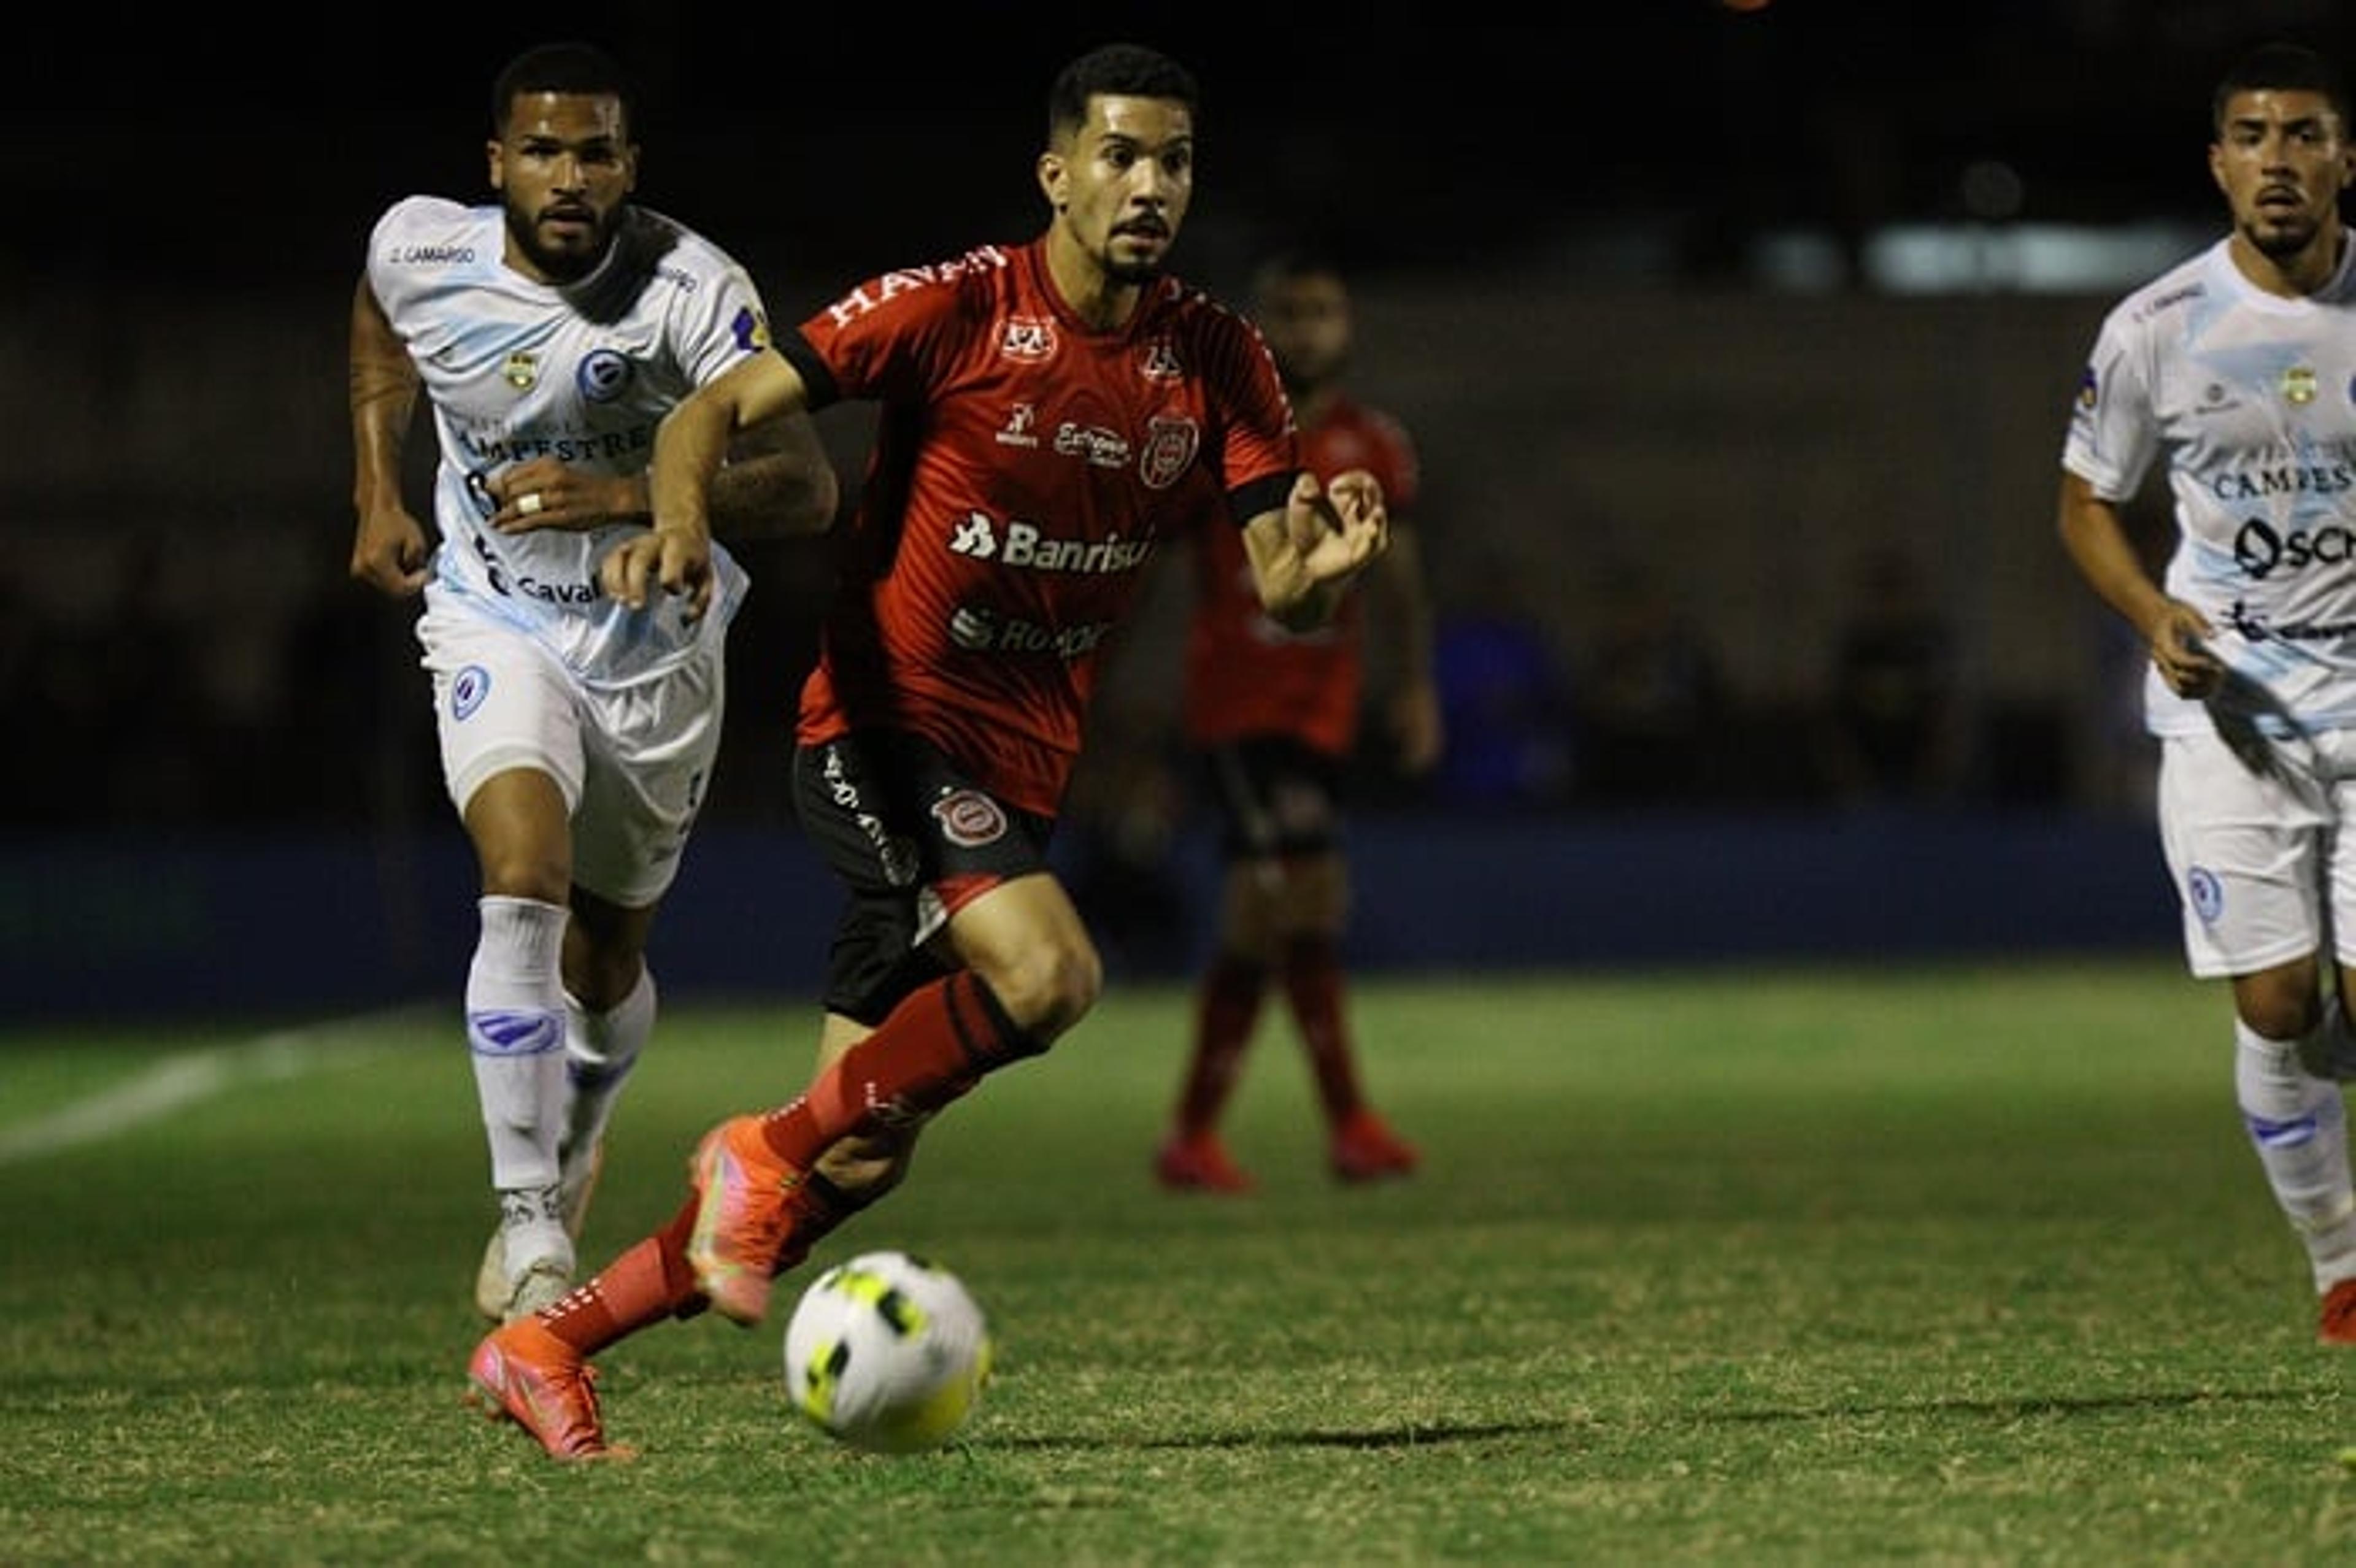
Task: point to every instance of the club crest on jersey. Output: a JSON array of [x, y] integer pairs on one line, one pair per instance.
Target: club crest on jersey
[[2089, 390], [969, 818], [2298, 384], [602, 375], [522, 371], [1030, 338], [1170, 444], [2206, 893], [467, 690]]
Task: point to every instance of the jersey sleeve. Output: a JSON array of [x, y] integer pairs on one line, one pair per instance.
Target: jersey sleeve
[[883, 341], [2113, 436], [413, 222], [721, 322], [1261, 449]]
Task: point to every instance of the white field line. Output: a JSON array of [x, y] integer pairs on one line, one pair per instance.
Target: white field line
[[186, 1078]]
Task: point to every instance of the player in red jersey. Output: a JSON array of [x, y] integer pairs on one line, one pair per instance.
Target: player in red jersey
[[1273, 714], [1053, 414]]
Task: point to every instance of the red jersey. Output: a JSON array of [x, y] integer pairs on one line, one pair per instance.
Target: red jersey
[[1246, 675], [1026, 468]]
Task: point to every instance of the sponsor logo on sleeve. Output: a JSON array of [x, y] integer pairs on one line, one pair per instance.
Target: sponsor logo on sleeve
[[751, 330]]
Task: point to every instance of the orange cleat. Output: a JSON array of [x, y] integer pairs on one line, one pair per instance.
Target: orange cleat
[[743, 1221], [2336, 1325], [1365, 1149], [525, 1374], [1199, 1163]]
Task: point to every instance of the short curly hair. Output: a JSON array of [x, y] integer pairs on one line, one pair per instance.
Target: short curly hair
[[569, 66], [1132, 70]]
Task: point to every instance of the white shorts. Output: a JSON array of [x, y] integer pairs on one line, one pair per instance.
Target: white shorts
[[2252, 840], [633, 762]]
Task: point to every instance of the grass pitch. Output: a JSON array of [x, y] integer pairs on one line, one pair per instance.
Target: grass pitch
[[1936, 1265]]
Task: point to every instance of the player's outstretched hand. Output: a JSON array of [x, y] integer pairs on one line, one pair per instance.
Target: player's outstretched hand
[[1337, 528], [672, 560], [545, 494]]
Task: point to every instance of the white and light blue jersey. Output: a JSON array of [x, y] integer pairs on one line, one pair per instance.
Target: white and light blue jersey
[[2249, 399], [516, 370]]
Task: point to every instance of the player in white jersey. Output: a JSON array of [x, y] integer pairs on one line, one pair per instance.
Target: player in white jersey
[[551, 333], [2237, 371]]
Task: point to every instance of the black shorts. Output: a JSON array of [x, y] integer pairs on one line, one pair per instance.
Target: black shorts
[[910, 835], [1276, 796]]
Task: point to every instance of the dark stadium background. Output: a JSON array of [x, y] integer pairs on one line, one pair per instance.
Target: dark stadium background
[[1559, 229], [223, 143]]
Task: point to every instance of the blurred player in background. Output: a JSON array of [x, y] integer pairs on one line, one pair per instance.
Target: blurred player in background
[[1053, 413], [1272, 714], [2237, 373], [550, 332]]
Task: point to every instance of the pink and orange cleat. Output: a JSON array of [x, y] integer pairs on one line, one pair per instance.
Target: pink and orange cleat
[[743, 1220], [523, 1374]]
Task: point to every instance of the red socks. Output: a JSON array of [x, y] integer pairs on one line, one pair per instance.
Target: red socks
[[936, 1045], [1227, 1009], [653, 1280], [1312, 980], [650, 1282]]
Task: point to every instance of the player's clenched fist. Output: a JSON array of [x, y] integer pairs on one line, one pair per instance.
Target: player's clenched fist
[[674, 560]]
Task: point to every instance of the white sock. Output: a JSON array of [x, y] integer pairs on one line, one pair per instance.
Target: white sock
[[2299, 1125], [515, 1029], [600, 1049]]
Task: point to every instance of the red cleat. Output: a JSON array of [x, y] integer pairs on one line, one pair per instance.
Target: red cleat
[[743, 1220], [1365, 1150], [1199, 1163], [2336, 1325], [525, 1374]]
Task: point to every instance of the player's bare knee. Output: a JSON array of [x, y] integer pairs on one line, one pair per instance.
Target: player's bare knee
[[1050, 988], [2276, 1010], [524, 875]]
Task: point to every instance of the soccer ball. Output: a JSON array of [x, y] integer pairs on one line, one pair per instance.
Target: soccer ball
[[887, 1352]]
